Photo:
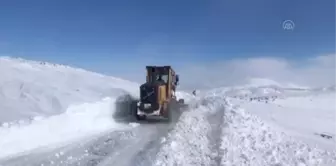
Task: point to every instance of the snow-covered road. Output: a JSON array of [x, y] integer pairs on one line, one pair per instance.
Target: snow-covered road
[[137, 146]]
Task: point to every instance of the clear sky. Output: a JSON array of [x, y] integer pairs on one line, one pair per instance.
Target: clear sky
[[106, 35]]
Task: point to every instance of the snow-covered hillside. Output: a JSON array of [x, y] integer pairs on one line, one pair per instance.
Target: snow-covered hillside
[[310, 117], [305, 113], [264, 124], [47, 104], [29, 88], [261, 82], [221, 131]]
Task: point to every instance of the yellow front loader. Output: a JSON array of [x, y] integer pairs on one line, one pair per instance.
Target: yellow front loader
[[157, 94]]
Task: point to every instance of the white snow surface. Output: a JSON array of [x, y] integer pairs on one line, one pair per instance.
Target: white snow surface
[[248, 140], [44, 105], [189, 143], [30, 88], [79, 121], [304, 117], [264, 82], [219, 131]]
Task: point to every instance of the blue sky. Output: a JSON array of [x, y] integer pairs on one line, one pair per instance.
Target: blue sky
[[104, 35]]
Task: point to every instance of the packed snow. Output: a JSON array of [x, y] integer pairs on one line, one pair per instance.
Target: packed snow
[[30, 88], [79, 121], [248, 140], [49, 105], [194, 139], [305, 117], [243, 138], [47, 108]]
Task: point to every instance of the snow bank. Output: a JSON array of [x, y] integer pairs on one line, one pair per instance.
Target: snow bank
[[190, 142], [216, 132], [45, 105], [77, 122], [302, 117], [29, 88], [246, 140]]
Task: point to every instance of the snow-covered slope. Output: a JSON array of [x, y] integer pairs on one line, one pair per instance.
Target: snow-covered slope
[[44, 105], [263, 123], [219, 131], [261, 87], [304, 117], [78, 122], [29, 88], [264, 82], [303, 113]]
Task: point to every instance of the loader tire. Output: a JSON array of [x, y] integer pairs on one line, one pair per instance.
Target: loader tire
[[181, 101], [135, 112], [172, 112], [169, 114], [140, 117]]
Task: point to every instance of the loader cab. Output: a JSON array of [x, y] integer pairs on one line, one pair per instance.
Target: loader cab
[[162, 75]]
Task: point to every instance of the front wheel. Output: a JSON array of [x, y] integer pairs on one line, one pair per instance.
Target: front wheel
[[140, 117], [181, 101], [135, 112], [171, 113]]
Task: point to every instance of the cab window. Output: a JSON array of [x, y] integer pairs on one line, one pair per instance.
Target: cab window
[[164, 77]]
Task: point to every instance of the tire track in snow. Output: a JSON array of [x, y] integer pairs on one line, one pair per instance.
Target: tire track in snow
[[142, 149], [135, 147], [196, 138], [215, 134], [86, 152], [146, 155]]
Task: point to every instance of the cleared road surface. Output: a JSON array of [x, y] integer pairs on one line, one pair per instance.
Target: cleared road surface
[[137, 146]]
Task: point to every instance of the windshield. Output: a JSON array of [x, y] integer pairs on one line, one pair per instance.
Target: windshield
[[163, 78]]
